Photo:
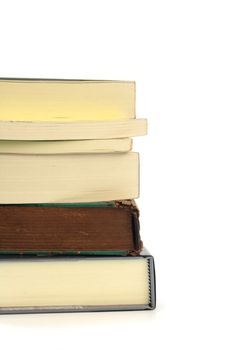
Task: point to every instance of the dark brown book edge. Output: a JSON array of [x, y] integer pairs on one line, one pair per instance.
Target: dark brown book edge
[[128, 205]]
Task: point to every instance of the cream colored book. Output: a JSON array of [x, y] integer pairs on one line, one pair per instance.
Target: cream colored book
[[66, 147], [54, 100], [77, 284], [68, 178], [40, 109], [80, 130]]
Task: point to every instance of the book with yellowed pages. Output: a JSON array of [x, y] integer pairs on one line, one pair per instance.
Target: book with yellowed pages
[[67, 146], [101, 228], [64, 100], [40, 109], [81, 130], [74, 284], [68, 178]]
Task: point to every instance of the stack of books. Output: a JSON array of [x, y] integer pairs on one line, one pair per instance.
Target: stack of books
[[69, 225]]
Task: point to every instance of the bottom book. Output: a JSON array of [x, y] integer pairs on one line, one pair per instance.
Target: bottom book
[[74, 284]]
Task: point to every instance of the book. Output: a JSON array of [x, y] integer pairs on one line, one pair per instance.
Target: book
[[54, 100], [78, 228], [63, 178], [71, 284], [72, 131], [64, 147], [40, 109]]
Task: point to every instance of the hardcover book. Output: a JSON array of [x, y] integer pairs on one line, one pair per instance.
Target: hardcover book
[[79, 228], [30, 285]]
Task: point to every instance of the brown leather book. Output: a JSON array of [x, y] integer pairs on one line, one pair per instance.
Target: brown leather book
[[108, 228]]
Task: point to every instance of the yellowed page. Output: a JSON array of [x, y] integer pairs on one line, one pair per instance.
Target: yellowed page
[[74, 282], [66, 100], [69, 178], [66, 147]]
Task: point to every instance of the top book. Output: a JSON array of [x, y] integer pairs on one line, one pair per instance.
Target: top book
[[52, 100]]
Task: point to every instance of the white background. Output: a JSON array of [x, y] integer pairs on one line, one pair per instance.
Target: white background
[[181, 55]]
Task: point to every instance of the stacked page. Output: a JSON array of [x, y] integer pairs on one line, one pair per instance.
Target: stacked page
[[69, 225]]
